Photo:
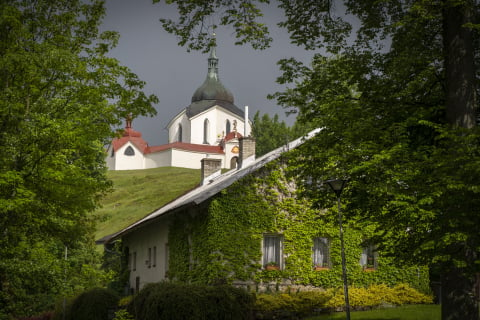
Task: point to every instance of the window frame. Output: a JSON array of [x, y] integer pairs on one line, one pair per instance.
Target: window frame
[[318, 244], [277, 262]]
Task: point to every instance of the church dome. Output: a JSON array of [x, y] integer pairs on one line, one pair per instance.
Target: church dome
[[212, 88]]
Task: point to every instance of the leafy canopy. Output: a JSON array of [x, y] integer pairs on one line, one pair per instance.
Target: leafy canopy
[[60, 96]]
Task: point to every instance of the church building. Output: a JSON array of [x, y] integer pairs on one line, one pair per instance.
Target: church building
[[210, 127]]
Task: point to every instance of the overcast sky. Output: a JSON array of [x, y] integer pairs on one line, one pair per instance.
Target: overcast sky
[[173, 74]]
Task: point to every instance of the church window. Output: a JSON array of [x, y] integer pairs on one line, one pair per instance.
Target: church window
[[227, 127], [272, 251], [321, 252], [112, 153], [180, 133], [206, 131], [129, 151]]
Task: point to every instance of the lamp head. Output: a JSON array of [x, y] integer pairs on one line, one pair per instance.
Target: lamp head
[[337, 185]]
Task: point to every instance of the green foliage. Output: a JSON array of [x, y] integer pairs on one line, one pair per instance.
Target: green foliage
[[270, 133], [94, 304], [378, 295], [123, 314], [176, 301], [304, 303], [290, 306], [60, 96], [193, 30], [223, 243]]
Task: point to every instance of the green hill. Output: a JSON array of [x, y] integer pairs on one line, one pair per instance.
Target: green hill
[[139, 192]]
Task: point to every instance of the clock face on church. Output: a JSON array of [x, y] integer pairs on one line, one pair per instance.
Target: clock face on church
[[235, 149]]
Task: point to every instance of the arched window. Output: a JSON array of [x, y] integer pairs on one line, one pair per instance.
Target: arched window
[[180, 133], [227, 127], [206, 129], [129, 151]]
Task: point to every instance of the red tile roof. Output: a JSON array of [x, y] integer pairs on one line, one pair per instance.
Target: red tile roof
[[186, 146], [232, 135], [135, 137]]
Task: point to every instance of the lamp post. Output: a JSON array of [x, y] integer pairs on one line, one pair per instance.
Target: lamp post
[[337, 186]]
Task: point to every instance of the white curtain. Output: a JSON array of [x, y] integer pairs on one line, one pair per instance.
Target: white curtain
[[271, 249]]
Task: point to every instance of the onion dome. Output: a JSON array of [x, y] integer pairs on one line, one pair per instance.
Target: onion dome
[[212, 88]]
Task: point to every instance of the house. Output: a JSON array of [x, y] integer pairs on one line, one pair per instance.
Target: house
[[250, 227], [207, 128]]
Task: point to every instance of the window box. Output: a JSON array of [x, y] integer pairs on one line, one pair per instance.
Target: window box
[[320, 268], [369, 269], [270, 268]]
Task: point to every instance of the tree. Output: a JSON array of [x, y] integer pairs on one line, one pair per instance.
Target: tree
[[270, 133], [397, 104], [60, 96]]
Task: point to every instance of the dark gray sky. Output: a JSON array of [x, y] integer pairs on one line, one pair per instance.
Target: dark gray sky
[[173, 74]]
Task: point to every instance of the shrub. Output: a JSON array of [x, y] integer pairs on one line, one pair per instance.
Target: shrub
[[94, 304], [376, 295], [289, 306], [177, 301]]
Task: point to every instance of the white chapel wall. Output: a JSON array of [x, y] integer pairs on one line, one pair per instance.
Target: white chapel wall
[[132, 162]]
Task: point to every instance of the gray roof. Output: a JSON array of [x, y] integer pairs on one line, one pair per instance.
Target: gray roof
[[206, 191], [203, 105]]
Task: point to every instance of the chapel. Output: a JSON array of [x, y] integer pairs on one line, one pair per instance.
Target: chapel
[[210, 127]]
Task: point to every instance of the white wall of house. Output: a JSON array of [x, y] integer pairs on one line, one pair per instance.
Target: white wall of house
[[124, 162], [148, 254]]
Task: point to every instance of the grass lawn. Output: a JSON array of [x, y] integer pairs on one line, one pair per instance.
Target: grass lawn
[[136, 193], [410, 312]]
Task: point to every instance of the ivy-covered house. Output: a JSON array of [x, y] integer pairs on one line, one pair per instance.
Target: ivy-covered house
[[249, 227]]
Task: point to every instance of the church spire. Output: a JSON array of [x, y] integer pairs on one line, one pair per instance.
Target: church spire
[[213, 61], [212, 88]]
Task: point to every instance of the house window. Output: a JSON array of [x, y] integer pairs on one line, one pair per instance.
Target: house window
[[180, 133], [129, 263], [206, 131], [112, 154], [134, 262], [272, 251], [321, 252], [227, 127], [129, 151], [154, 256], [368, 259]]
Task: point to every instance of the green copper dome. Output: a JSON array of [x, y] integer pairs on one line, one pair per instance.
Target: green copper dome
[[212, 88]]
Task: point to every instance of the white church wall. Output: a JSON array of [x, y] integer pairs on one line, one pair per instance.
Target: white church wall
[[129, 162], [159, 159], [190, 159], [148, 253], [173, 128]]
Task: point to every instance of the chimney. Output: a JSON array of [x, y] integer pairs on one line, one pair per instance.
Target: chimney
[[211, 168], [247, 151]]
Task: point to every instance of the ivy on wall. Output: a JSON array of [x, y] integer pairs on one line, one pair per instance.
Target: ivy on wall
[[221, 241]]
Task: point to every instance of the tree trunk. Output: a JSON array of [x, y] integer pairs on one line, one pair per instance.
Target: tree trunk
[[458, 295], [459, 64]]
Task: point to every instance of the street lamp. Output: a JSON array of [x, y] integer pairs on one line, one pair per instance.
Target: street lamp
[[337, 186]]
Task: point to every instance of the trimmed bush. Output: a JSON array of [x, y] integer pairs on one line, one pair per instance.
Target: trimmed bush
[[290, 306], [302, 304], [376, 295], [178, 301], [94, 304]]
